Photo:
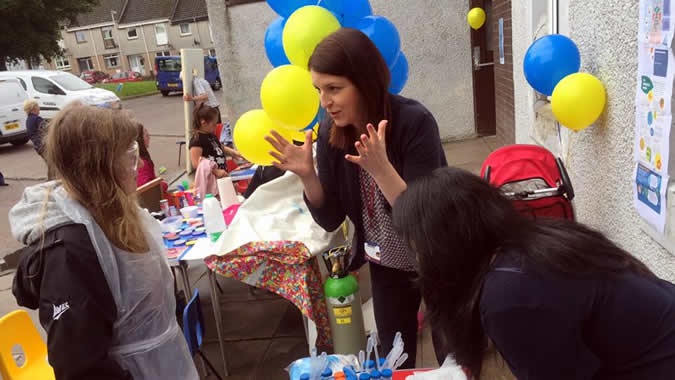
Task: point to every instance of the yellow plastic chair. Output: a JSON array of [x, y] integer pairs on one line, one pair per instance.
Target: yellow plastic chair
[[16, 328]]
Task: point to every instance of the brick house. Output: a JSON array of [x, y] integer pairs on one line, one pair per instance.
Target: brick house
[[120, 35]]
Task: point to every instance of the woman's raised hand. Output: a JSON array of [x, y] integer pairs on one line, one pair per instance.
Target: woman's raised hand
[[297, 159], [372, 150]]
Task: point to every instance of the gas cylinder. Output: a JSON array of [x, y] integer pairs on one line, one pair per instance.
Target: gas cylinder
[[344, 304]]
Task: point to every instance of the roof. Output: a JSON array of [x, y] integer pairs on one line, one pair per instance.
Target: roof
[[101, 13], [137, 11], [189, 10], [143, 10]]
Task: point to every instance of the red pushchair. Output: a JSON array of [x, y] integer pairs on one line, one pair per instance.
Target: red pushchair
[[534, 179]]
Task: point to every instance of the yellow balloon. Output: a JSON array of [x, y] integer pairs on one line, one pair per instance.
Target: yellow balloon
[[578, 100], [249, 133], [289, 97], [304, 29], [476, 18]]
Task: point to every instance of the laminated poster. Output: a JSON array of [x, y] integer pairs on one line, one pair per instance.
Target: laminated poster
[[653, 114]]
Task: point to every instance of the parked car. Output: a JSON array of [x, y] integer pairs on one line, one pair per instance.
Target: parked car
[[12, 117], [168, 74], [93, 76], [53, 90], [124, 76]]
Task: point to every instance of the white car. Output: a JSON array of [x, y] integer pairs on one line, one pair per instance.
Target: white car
[[53, 90], [12, 117]]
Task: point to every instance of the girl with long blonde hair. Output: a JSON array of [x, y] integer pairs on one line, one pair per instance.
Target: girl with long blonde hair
[[95, 264]]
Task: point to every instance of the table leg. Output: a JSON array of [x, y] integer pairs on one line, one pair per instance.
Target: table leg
[[215, 302], [186, 280]]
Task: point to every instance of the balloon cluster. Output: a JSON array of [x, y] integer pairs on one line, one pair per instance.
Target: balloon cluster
[[551, 67], [290, 103]]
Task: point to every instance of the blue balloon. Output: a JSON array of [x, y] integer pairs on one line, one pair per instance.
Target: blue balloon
[[320, 114], [284, 8], [348, 12], [384, 34], [274, 46], [399, 74], [548, 60]]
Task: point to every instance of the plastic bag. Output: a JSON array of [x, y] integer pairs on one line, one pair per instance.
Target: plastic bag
[[448, 371], [335, 362]]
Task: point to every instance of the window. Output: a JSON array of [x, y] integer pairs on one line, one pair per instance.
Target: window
[[111, 60], [169, 64], [107, 33], [132, 33], [85, 64], [160, 34], [70, 82], [108, 41], [43, 85], [62, 63], [185, 29], [80, 37], [164, 53], [23, 83], [212, 53]]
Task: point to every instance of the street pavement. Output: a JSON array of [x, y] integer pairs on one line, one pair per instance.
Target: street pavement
[[22, 167]]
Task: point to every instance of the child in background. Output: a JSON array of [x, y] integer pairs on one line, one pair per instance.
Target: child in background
[[146, 168], [207, 153], [205, 144]]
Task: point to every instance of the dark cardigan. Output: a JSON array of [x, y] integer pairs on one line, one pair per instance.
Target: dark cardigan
[[413, 147]]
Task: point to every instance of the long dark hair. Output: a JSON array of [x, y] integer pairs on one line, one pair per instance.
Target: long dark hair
[[142, 149], [456, 223], [351, 54], [202, 112]]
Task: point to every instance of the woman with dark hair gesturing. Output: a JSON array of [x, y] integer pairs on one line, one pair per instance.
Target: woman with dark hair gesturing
[[372, 145], [557, 299]]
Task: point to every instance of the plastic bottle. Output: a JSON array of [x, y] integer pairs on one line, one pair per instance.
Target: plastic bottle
[[375, 375], [213, 217], [364, 376], [386, 374], [304, 376]]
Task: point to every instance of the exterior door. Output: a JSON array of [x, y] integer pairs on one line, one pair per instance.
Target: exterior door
[[483, 73], [136, 63]]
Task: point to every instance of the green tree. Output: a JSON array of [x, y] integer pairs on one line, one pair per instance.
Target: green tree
[[30, 29]]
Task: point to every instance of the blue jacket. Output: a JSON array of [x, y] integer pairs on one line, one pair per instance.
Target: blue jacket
[[33, 123]]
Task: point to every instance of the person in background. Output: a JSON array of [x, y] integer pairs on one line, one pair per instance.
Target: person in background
[[146, 168], [202, 93], [204, 144], [95, 264], [558, 300], [372, 145], [36, 127]]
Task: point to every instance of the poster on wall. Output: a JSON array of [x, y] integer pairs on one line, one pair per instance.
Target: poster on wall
[[653, 113]]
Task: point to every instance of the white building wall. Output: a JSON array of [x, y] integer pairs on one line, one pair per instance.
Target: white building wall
[[600, 158], [434, 37]]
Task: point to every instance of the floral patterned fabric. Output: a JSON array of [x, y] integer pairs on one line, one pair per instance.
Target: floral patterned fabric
[[285, 268]]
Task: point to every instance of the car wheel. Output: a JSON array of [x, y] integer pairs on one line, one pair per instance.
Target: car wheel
[[19, 142], [217, 85], [165, 93]]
